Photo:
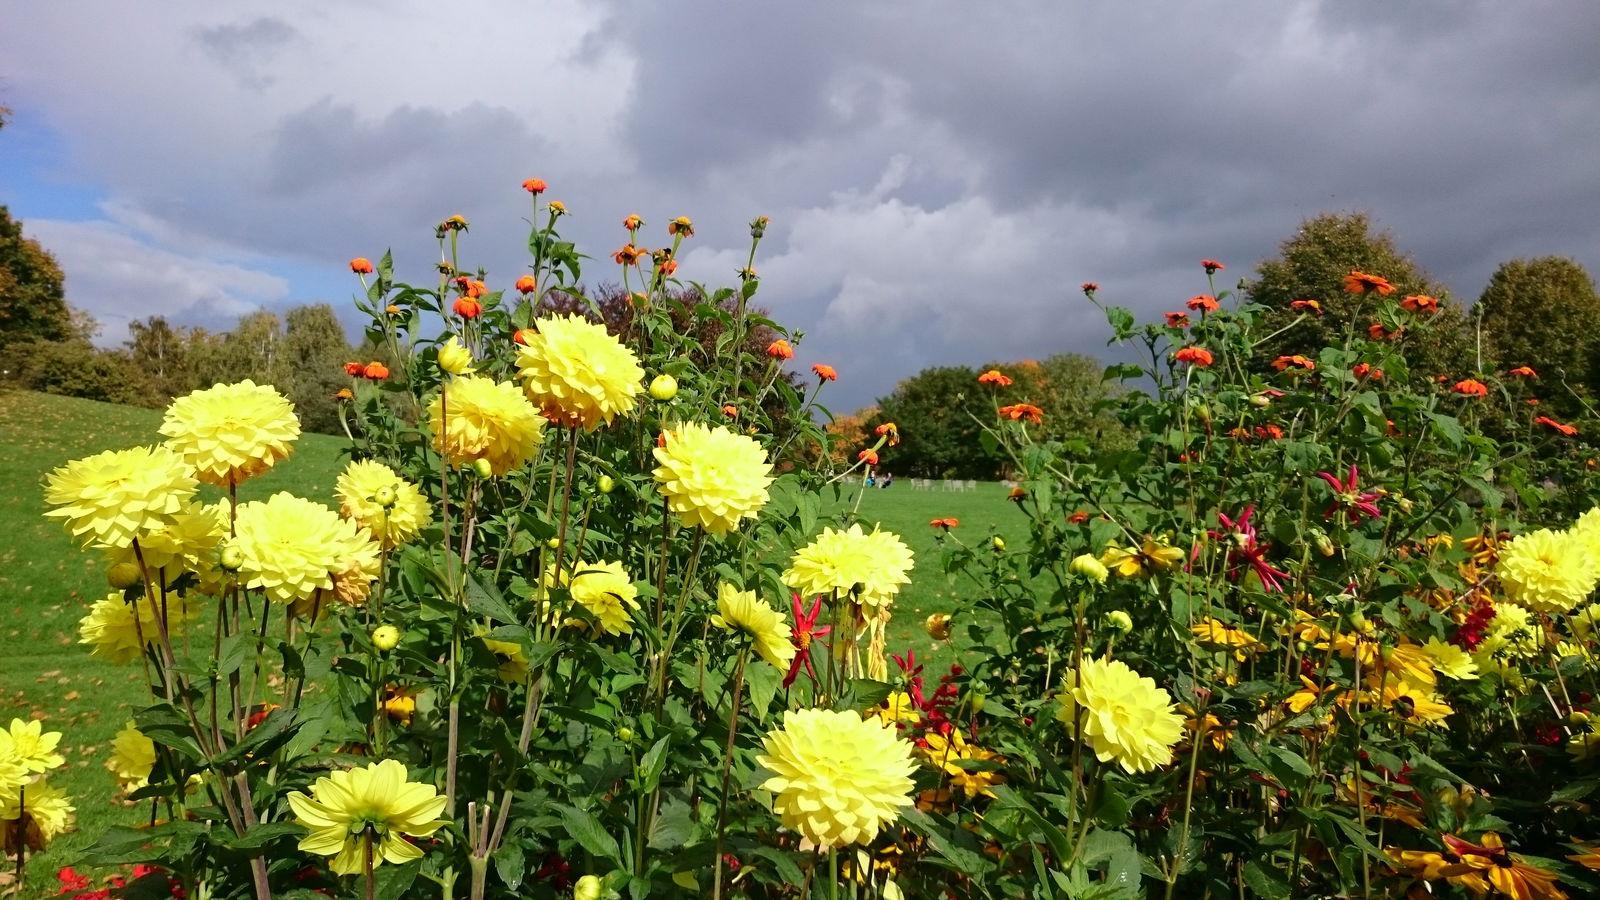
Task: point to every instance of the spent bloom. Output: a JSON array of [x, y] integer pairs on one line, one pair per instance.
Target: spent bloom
[[475, 418], [375, 497], [230, 432], [837, 778], [1122, 716], [712, 477], [871, 566], [353, 813], [1420, 303], [113, 498], [744, 612], [38, 819], [577, 373]]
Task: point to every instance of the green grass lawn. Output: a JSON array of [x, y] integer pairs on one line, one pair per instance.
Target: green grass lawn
[[46, 585]]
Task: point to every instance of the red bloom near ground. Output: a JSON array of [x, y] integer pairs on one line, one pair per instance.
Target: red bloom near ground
[[1293, 362], [1523, 372]]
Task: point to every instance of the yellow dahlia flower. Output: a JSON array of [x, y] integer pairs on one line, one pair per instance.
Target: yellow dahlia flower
[[292, 547], [230, 432], [133, 757], [1583, 621], [513, 662], [111, 633], [111, 499], [475, 418], [604, 589], [577, 373], [712, 477], [352, 811], [30, 746], [1545, 571], [188, 544], [455, 358], [870, 566], [838, 778], [1120, 715], [378, 499], [44, 811], [1586, 531], [1450, 661], [768, 632]]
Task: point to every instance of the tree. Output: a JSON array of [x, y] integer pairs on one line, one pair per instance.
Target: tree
[[848, 434], [314, 351], [1542, 313], [33, 304], [937, 412], [1312, 265]]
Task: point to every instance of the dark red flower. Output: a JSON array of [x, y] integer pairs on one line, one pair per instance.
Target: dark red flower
[[805, 631], [1347, 495]]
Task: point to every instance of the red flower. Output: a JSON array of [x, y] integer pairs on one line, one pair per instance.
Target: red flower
[[1470, 387], [1177, 319], [1212, 266], [1269, 432], [1089, 288], [361, 266], [1195, 356], [945, 524], [1377, 332], [780, 349], [522, 335], [1347, 495], [526, 284], [1079, 517], [71, 880], [1420, 303], [1022, 412], [805, 631], [1205, 303], [1293, 362], [354, 369], [1314, 306], [1523, 372], [1246, 551], [824, 373], [1553, 425], [1363, 370], [471, 287], [375, 371], [730, 411], [1359, 282], [868, 456], [995, 377], [535, 186], [889, 430], [468, 308]]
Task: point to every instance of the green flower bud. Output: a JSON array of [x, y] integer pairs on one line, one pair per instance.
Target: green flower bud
[[1119, 621], [231, 558], [664, 387], [483, 468], [998, 543], [625, 734], [1088, 566], [385, 496], [606, 483]]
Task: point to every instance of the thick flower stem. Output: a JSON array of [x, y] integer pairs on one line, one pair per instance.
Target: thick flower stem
[[727, 769]]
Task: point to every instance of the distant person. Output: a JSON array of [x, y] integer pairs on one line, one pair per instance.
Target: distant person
[[888, 480], [872, 481]]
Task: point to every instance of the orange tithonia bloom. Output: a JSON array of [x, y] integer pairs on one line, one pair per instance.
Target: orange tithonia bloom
[[632, 222], [945, 523], [1523, 372], [825, 373], [868, 456], [1365, 370], [669, 267], [526, 284], [375, 370], [1377, 332], [730, 411], [1089, 288], [1022, 412], [1194, 356], [472, 287], [467, 308], [1312, 305], [1205, 303], [889, 430], [1470, 387], [1420, 303], [535, 186], [1359, 282], [361, 266], [681, 225], [1177, 319], [627, 255], [1211, 266], [1553, 425], [995, 377], [354, 369], [522, 336], [780, 349], [1293, 362]]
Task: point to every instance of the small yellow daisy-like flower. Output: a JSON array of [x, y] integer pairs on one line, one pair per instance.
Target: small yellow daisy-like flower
[[30, 746], [1545, 571], [897, 707], [455, 358], [230, 432], [111, 633], [1415, 704], [188, 544], [113, 498], [378, 499], [1213, 634], [837, 778], [948, 754], [712, 477], [577, 373], [868, 566], [605, 590], [1151, 556], [45, 813], [768, 632], [356, 813], [1120, 715], [1407, 662], [475, 418], [292, 547], [1450, 661], [133, 757]]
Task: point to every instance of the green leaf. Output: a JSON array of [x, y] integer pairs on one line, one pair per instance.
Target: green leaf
[[584, 828], [486, 600], [510, 864], [673, 826], [1266, 883], [392, 882], [651, 766], [968, 862]]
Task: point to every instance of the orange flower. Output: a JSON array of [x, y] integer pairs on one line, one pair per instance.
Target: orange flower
[[1523, 372], [780, 349], [730, 411], [522, 335], [1089, 288], [1363, 370], [1211, 266], [995, 377], [361, 266], [1017, 495], [946, 524], [472, 287], [681, 225], [535, 186], [1177, 319], [343, 394], [392, 310], [467, 308], [1359, 282], [1420, 303], [526, 284], [669, 268], [1297, 361], [889, 430], [1205, 303], [1022, 412], [1470, 387], [1194, 356], [1269, 432], [825, 373], [627, 255], [1553, 425], [868, 456], [1314, 306], [1079, 517], [375, 371], [632, 222], [354, 369], [1377, 332]]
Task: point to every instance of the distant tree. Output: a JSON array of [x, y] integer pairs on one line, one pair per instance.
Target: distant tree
[[33, 304], [1542, 313], [314, 351], [74, 369], [1312, 264], [937, 412], [1071, 390], [848, 434]]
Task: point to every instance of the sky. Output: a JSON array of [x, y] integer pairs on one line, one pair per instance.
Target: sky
[[940, 176]]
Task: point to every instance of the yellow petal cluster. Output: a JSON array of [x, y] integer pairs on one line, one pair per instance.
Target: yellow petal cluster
[[768, 632], [352, 811], [45, 812], [712, 477], [577, 373], [837, 778], [1122, 716], [949, 753], [1545, 571], [29, 746], [605, 590], [188, 544], [362, 489], [292, 547], [868, 566], [111, 632], [455, 358], [112, 498], [474, 418], [133, 756], [230, 432]]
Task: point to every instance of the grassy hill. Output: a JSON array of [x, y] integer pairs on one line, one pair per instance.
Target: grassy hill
[[46, 584]]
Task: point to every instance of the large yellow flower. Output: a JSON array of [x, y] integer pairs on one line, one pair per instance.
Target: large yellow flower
[[110, 631], [712, 477], [1586, 531], [292, 547], [230, 432], [44, 811], [1545, 571], [133, 756], [376, 497], [577, 373], [188, 544], [838, 778], [605, 590], [352, 810], [111, 499], [868, 565], [475, 418], [1121, 715], [30, 746], [744, 611]]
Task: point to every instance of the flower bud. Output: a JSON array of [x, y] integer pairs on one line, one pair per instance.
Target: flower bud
[[998, 543], [1119, 621], [385, 637], [606, 484], [587, 888], [1261, 400], [976, 700], [1323, 542], [938, 626], [455, 358], [1578, 717], [231, 558], [384, 496], [554, 543], [625, 734], [1093, 569], [123, 576], [483, 468], [664, 387]]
